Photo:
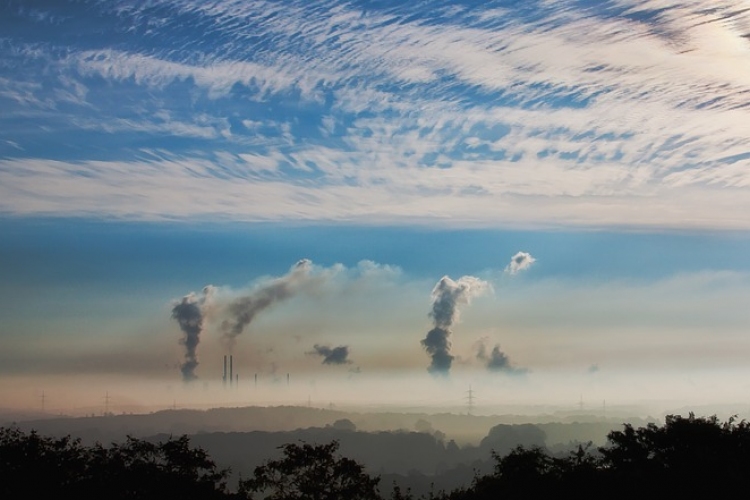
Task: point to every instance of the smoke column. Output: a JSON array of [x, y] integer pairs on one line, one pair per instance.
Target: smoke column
[[189, 314], [447, 296], [243, 310]]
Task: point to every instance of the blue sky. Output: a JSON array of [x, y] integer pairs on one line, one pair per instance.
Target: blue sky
[[147, 151]]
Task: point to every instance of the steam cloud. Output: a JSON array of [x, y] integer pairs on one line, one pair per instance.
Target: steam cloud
[[333, 356], [447, 296], [243, 310], [189, 313], [520, 262], [497, 360]]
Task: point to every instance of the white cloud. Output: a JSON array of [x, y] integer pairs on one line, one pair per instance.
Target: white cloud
[[605, 119], [218, 77], [173, 187], [521, 261]]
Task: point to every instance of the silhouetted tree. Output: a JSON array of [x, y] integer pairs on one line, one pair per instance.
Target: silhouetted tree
[[312, 472], [685, 456], [32, 466], [522, 473]]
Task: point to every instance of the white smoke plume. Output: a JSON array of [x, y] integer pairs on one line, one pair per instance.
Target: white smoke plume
[[521, 261], [447, 296]]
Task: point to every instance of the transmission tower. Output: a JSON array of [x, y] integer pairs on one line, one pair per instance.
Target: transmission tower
[[470, 401]]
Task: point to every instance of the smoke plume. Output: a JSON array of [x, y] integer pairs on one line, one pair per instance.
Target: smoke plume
[[447, 296], [497, 360], [189, 313], [520, 262], [243, 310], [332, 356]]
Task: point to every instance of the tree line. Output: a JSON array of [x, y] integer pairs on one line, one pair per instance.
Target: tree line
[[687, 457]]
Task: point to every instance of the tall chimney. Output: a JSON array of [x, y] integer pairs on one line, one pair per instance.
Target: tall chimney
[[224, 379], [230, 371]]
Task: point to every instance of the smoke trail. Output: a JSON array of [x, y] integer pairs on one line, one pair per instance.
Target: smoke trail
[[497, 360], [243, 310], [521, 261], [332, 356], [189, 315], [447, 296]]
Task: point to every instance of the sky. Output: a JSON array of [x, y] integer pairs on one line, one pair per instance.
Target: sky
[[387, 201]]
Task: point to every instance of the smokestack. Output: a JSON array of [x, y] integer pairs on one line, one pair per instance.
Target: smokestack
[[287, 379], [237, 381], [256, 380], [224, 379], [230, 370]]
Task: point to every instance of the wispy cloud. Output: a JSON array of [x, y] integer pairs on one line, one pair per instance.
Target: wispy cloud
[[626, 113], [216, 77]]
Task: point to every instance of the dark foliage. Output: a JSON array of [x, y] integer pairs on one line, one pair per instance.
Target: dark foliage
[[689, 457], [312, 472], [686, 458], [33, 466]]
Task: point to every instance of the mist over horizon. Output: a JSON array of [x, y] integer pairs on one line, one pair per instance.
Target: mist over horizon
[[543, 395]]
